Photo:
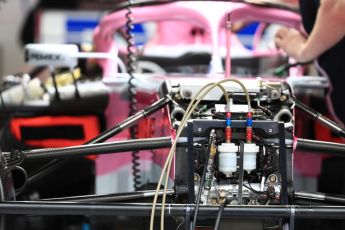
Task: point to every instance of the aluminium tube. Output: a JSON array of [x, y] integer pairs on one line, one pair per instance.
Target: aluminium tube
[[131, 209]]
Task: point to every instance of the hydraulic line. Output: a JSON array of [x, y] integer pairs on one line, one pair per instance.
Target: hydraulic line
[[320, 146], [102, 148]]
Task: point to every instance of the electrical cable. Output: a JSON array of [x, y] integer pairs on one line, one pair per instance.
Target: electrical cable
[[249, 186], [282, 69], [251, 189], [220, 213], [200, 190], [166, 168], [131, 64]]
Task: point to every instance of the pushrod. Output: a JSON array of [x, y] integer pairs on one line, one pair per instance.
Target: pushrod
[[102, 148]]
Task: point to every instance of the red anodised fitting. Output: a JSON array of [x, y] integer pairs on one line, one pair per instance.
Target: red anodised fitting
[[249, 115], [228, 134], [228, 115], [249, 134], [228, 127], [249, 130]]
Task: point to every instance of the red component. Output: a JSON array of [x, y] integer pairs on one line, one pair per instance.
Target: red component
[[146, 128], [249, 134], [89, 125], [249, 115], [228, 115], [228, 134]]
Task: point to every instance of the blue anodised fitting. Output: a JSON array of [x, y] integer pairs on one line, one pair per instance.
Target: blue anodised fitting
[[249, 119], [228, 122], [249, 122], [228, 119]]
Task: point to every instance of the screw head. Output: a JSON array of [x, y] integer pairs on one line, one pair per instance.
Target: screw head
[[187, 94], [272, 178], [196, 177], [283, 98], [213, 201]]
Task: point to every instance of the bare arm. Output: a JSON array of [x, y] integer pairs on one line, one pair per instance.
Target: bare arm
[[329, 29]]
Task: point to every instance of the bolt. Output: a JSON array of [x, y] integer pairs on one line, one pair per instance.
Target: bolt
[[270, 130], [177, 97], [223, 193], [196, 177], [213, 201], [199, 129], [272, 178], [283, 98], [187, 93], [213, 150], [274, 94]]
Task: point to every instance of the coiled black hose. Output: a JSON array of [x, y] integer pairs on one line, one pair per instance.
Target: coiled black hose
[[131, 65]]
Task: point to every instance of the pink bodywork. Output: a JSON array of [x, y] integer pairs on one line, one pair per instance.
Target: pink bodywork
[[175, 23], [176, 20]]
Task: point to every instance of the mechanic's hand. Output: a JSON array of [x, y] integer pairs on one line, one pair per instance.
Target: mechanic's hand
[[292, 42]]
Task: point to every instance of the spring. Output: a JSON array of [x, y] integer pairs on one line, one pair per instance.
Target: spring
[[131, 65]]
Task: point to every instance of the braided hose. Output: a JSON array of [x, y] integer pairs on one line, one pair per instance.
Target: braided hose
[[131, 65]]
